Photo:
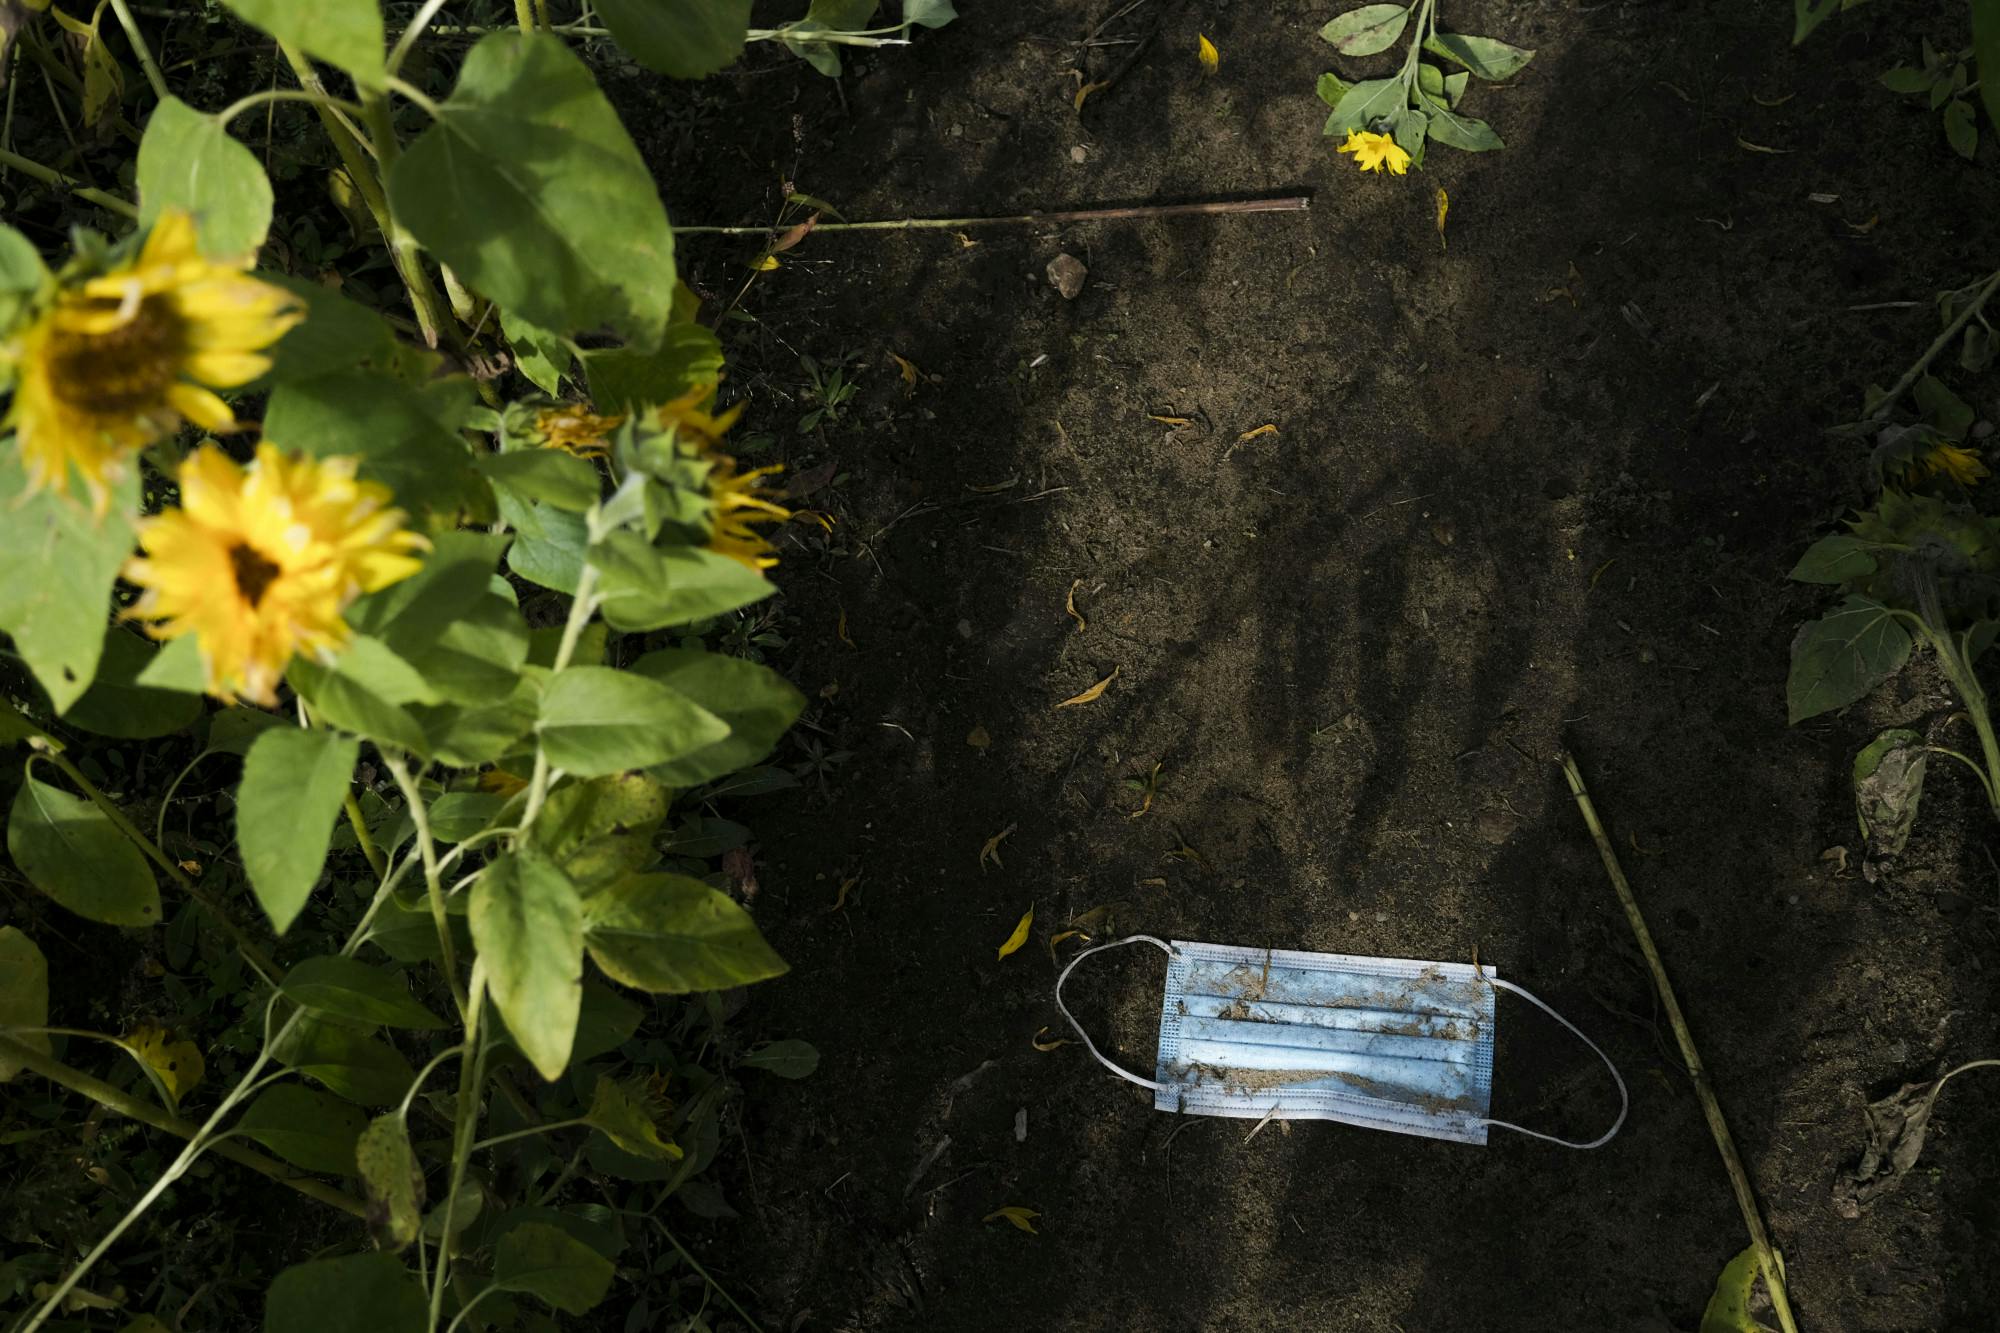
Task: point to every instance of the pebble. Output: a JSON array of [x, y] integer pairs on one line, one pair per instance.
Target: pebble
[[1021, 1125], [1066, 275], [965, 629], [1078, 153]]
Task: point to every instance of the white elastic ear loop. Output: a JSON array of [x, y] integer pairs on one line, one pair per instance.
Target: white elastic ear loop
[[1624, 1101], [1090, 1045]]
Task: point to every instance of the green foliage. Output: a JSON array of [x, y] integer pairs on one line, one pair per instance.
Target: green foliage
[[687, 39], [189, 161], [359, 1293], [1419, 103], [56, 568], [293, 784], [70, 850], [527, 921]]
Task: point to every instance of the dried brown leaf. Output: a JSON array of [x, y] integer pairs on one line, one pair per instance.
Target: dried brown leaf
[[992, 848], [1069, 605]]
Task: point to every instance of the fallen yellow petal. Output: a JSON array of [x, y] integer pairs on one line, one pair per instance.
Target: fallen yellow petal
[[765, 264], [1444, 206], [1020, 935], [909, 373], [1085, 92], [840, 630], [992, 847], [1069, 605], [1090, 695], [846, 887], [1024, 1218], [1266, 429], [1211, 59], [1049, 1045]]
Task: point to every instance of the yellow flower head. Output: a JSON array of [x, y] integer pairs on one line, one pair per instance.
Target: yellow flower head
[[1372, 152], [576, 431], [259, 562], [1956, 461], [737, 501], [116, 361]]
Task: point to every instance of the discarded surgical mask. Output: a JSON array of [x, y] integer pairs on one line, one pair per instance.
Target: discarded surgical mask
[[1384, 1043]]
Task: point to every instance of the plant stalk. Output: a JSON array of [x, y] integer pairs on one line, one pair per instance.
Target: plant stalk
[[362, 837], [1286, 204], [116, 1099], [465, 1123], [1718, 1127], [1942, 341], [433, 876], [27, 166], [143, 52]]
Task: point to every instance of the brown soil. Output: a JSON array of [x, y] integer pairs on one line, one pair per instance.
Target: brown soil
[[1536, 489]]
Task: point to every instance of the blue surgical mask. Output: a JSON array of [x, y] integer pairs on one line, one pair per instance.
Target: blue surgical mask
[[1384, 1043]]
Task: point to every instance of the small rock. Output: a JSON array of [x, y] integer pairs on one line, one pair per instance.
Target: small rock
[[1021, 1125], [965, 629], [1078, 153], [1066, 275], [1444, 532]]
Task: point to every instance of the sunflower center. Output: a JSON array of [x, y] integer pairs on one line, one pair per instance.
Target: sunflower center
[[126, 369], [253, 572]]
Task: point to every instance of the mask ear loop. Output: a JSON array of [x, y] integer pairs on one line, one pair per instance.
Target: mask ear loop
[[1624, 1100], [1090, 1045]]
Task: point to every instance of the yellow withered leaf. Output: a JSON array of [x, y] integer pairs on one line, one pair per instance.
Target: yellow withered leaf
[[908, 371], [840, 629], [765, 263], [175, 1066], [1050, 1044], [1211, 59], [1102, 917], [1084, 92], [1020, 935], [1266, 429], [1069, 605], [991, 851], [1444, 207], [978, 738], [846, 887], [1090, 695], [1024, 1218]]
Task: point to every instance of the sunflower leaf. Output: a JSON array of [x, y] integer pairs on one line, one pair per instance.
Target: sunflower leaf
[[294, 782], [71, 851], [684, 39], [56, 570], [188, 161], [528, 925]]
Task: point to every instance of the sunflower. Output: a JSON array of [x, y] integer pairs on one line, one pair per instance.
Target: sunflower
[[574, 430], [1372, 152], [116, 361], [259, 562], [736, 501], [1956, 461]]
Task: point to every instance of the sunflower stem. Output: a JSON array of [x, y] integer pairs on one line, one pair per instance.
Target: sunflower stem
[[50, 176], [581, 608], [433, 876], [524, 15], [252, 952], [139, 48], [465, 1122], [365, 839], [1942, 341], [270, 95]]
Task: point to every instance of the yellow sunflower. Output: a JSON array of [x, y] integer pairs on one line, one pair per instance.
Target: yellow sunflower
[[116, 361], [259, 562], [737, 501], [1372, 152], [1956, 461], [575, 430]]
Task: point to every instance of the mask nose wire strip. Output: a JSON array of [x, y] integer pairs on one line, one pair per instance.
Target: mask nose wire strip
[[1090, 1045], [1624, 1100]]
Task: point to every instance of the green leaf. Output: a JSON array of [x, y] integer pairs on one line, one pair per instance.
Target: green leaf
[[1462, 132], [1942, 408], [405, 436], [1907, 79], [350, 992], [1331, 88], [188, 161], [602, 829], [786, 1059], [1438, 86], [306, 1128], [363, 692], [393, 1180], [528, 186], [1409, 127], [71, 851], [1729, 1307], [623, 1119], [598, 720], [294, 782], [1366, 31], [549, 543], [1835, 559], [405, 930], [57, 566], [457, 815], [928, 13], [116, 704], [235, 730], [547, 1262], [22, 274], [347, 33], [415, 611], [358, 1293], [607, 1022], [623, 379], [1365, 103], [669, 934], [756, 702], [350, 1063], [652, 587], [1888, 786], [466, 736], [24, 994], [543, 357], [550, 475], [1485, 57], [685, 39], [1986, 55], [527, 922], [1840, 657], [336, 335], [1961, 129]]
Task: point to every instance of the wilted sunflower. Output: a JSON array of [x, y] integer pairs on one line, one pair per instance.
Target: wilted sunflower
[[259, 562], [737, 501], [116, 361], [574, 430], [1943, 458], [1372, 152]]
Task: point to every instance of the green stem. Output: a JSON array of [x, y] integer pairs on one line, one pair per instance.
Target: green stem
[[125, 1104], [433, 876], [139, 48], [529, 1132], [695, 1264], [252, 952], [253, 100], [471, 1074], [524, 15], [50, 176], [366, 840], [1966, 681], [1985, 783], [581, 608], [1718, 1127], [1942, 341], [407, 39], [403, 246]]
